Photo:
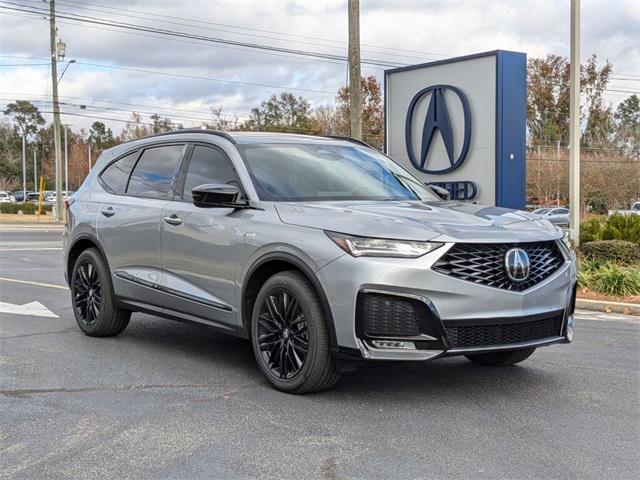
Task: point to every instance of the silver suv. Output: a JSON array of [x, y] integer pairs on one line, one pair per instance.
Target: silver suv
[[322, 251]]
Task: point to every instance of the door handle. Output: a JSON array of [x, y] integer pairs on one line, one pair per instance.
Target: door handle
[[108, 212], [173, 219]]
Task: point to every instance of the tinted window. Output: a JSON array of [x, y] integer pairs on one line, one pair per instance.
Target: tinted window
[[208, 165], [155, 172], [115, 176], [329, 172]]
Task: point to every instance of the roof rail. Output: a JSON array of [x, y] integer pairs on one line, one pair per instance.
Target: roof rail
[[188, 130], [349, 139]]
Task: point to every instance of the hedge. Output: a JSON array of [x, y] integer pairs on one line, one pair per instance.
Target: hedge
[[27, 208], [618, 251], [615, 227]]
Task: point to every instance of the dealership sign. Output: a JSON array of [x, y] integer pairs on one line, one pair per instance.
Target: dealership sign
[[460, 124]]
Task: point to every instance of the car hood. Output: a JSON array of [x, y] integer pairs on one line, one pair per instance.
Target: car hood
[[413, 220]]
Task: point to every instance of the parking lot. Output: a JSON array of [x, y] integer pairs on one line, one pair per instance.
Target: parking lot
[[172, 400]]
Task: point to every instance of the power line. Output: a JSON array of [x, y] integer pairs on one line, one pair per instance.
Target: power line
[[178, 34], [146, 15]]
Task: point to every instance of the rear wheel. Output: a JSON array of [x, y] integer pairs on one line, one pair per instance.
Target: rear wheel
[[290, 335], [92, 297], [501, 359]]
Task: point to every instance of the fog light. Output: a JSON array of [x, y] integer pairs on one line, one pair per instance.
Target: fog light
[[570, 328], [393, 344]]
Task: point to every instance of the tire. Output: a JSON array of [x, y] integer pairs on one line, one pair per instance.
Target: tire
[[501, 359], [287, 315], [92, 297]]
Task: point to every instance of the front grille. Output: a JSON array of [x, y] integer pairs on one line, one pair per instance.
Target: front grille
[[382, 315], [483, 263], [503, 334]]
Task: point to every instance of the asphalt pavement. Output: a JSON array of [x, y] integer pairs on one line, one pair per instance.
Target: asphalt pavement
[[172, 400]]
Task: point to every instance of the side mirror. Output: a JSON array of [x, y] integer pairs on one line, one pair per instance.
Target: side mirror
[[216, 195], [443, 193]]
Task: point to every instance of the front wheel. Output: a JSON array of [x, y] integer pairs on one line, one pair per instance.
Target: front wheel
[[290, 335], [501, 359]]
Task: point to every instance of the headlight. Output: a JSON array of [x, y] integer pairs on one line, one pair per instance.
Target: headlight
[[381, 247]]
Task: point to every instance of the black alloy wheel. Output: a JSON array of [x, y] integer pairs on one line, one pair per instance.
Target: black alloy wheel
[[283, 335], [290, 335], [87, 293], [92, 297]]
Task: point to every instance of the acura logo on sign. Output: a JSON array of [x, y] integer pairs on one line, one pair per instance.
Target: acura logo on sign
[[516, 263], [437, 118]]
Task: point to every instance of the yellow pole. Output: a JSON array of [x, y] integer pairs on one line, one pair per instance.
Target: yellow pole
[[40, 197]]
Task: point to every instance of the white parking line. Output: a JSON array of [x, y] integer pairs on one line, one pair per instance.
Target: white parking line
[[48, 285]]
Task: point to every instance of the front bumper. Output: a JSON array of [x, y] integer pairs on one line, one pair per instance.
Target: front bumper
[[448, 301]]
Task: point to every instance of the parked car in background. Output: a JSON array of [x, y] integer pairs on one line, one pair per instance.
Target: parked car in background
[[50, 197], [6, 197], [18, 195], [557, 216], [323, 252], [634, 210], [32, 197]]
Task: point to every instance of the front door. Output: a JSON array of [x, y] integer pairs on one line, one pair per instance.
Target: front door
[[199, 244]]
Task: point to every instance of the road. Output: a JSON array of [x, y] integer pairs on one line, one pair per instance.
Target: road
[[170, 400]]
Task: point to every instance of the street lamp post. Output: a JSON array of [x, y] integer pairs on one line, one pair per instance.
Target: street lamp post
[[574, 125]]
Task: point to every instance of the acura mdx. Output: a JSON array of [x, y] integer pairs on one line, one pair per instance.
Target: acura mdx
[[323, 252]]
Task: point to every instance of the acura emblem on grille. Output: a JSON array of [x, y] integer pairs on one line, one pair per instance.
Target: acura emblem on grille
[[516, 264]]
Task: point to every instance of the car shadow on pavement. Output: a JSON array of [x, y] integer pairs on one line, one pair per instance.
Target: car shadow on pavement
[[205, 348]]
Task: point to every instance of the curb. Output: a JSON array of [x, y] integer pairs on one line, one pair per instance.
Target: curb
[[605, 306]]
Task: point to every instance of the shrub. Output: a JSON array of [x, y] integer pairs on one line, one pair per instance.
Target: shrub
[[591, 230], [610, 279], [26, 208], [615, 227], [622, 227], [618, 251]]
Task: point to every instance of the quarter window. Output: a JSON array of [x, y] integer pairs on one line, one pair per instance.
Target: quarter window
[[155, 172], [208, 165], [115, 176]]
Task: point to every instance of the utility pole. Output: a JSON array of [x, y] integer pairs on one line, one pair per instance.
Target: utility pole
[[66, 161], [56, 107], [35, 172], [355, 91], [89, 153], [24, 168], [558, 174], [574, 125]]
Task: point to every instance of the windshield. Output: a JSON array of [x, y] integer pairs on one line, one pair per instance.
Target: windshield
[[295, 172]]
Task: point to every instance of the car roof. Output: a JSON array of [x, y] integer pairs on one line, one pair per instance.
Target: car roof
[[245, 138]]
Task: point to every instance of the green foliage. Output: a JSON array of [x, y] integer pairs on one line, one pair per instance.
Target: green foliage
[[615, 227], [618, 251], [26, 208], [598, 205], [627, 118], [622, 227], [26, 117], [610, 278], [101, 136], [591, 230], [286, 113]]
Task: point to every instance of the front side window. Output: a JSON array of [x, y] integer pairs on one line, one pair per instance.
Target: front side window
[[208, 165], [155, 172], [299, 172], [115, 176]]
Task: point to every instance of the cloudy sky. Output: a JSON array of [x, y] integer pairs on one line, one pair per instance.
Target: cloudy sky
[[120, 70]]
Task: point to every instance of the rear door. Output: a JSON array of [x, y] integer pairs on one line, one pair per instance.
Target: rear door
[[139, 185], [199, 244]]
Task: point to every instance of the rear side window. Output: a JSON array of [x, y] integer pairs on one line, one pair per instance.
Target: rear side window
[[208, 165], [155, 172], [115, 176]]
